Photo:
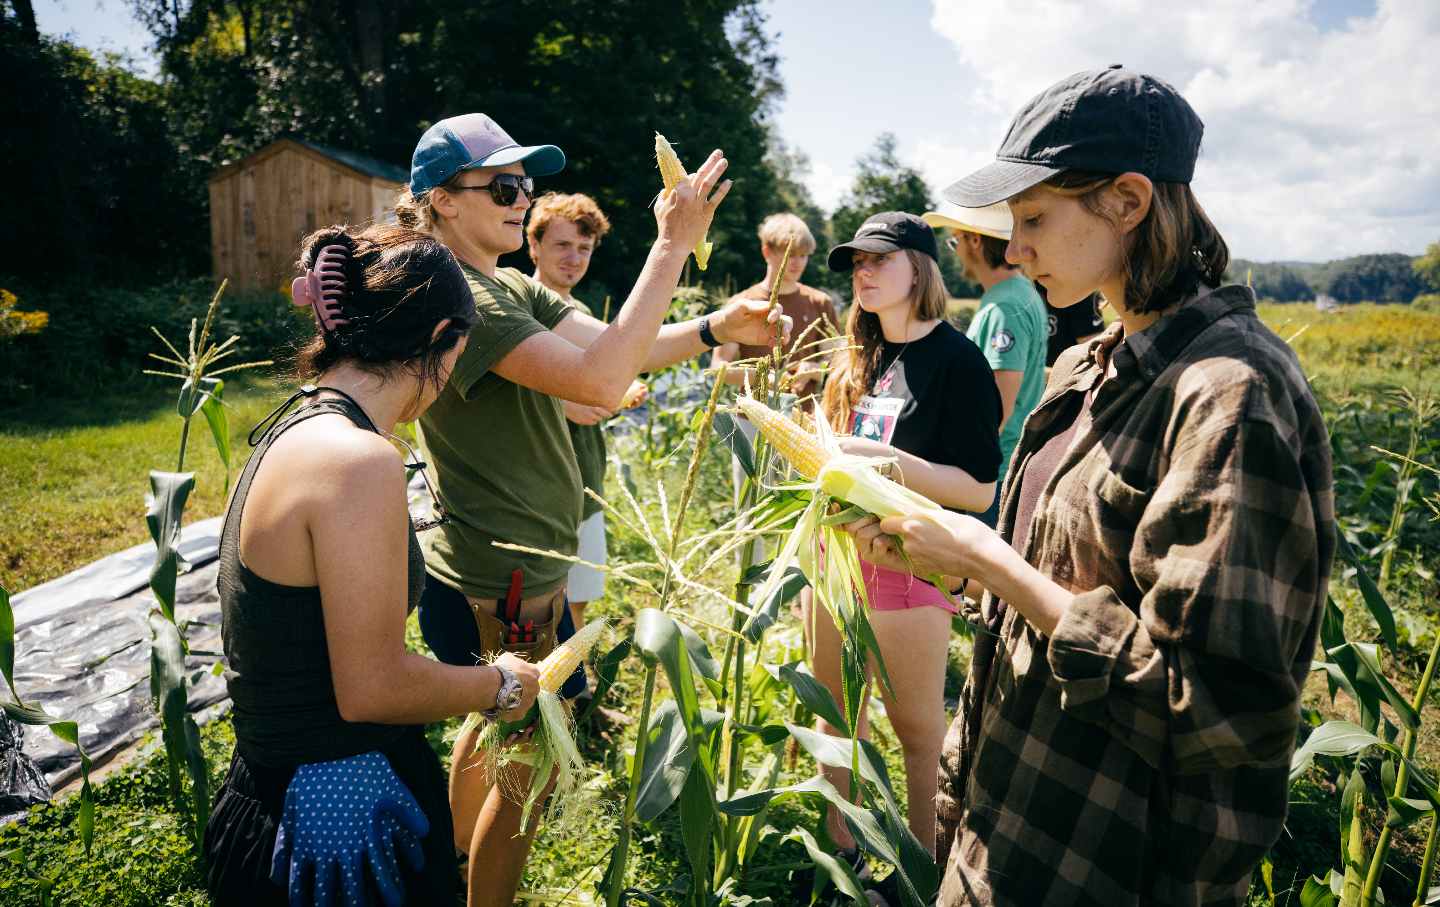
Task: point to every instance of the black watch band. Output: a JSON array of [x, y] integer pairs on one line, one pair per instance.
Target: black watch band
[[707, 336]]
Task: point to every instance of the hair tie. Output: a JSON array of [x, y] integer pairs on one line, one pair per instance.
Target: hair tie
[[323, 287]]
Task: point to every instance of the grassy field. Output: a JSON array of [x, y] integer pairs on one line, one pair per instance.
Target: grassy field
[[72, 478], [73, 472]]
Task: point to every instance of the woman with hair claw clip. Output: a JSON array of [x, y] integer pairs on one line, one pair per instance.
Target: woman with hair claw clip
[[334, 795]]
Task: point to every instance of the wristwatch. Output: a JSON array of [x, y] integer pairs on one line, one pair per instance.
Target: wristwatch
[[507, 695], [707, 336]]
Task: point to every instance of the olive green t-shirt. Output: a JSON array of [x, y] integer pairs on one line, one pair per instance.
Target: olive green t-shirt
[[503, 463], [589, 442]]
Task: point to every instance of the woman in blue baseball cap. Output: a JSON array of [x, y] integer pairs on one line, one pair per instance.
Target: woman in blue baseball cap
[[497, 436], [1165, 542]]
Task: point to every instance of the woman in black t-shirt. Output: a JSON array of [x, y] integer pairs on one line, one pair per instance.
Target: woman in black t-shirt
[[911, 390]]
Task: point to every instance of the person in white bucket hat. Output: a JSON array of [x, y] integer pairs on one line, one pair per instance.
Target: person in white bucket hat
[[1010, 324]]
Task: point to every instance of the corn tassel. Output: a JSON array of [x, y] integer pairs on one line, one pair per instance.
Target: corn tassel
[[672, 172]]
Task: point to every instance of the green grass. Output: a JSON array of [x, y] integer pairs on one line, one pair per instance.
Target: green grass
[[73, 472]]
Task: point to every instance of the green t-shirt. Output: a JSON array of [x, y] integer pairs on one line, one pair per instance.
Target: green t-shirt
[[589, 442], [503, 463], [1010, 329]]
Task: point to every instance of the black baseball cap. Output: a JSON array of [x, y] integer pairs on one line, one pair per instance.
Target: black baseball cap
[[1108, 120], [886, 232]]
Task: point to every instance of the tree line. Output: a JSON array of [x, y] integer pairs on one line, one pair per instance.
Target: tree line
[[109, 168], [112, 166], [1388, 277]]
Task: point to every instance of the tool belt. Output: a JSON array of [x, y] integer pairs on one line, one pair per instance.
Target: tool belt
[[524, 626]]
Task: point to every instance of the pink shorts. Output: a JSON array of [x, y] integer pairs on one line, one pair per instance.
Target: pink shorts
[[891, 590]]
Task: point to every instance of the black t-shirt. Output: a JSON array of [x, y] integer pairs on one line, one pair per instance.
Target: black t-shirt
[[1069, 324], [939, 402]]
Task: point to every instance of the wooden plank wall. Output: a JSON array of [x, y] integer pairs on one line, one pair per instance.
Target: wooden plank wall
[[259, 212]]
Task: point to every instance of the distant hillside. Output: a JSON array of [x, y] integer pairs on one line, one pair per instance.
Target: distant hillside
[[1389, 277]]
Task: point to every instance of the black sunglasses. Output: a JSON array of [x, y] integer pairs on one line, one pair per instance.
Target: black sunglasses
[[504, 188]]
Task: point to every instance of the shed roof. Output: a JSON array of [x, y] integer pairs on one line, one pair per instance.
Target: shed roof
[[354, 160]]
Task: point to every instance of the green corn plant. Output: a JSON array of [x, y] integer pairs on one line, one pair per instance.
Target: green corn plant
[[201, 392], [1355, 668], [67, 730], [1422, 408], [659, 640]]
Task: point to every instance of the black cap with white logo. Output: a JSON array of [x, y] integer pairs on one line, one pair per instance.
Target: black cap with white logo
[[1108, 120], [883, 233]]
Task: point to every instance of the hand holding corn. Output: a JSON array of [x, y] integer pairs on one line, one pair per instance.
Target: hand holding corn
[[528, 673], [688, 202]]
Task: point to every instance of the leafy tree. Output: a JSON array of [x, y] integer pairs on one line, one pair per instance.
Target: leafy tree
[[1379, 278], [596, 78], [92, 167], [883, 182], [1271, 280], [1427, 267]]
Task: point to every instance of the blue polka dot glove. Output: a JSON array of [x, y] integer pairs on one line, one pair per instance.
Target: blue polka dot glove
[[347, 825]]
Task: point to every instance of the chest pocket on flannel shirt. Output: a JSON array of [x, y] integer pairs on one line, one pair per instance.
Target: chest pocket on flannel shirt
[[1118, 504]]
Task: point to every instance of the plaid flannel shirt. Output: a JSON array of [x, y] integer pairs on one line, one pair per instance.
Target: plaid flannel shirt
[[1140, 754]]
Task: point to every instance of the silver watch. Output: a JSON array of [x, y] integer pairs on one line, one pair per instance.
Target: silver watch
[[507, 695]]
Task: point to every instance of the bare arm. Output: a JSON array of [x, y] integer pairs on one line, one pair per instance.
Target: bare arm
[[747, 320], [357, 522], [598, 372], [1008, 381]]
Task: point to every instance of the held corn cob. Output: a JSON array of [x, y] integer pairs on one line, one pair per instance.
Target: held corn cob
[[851, 479], [552, 750], [672, 172], [557, 667]]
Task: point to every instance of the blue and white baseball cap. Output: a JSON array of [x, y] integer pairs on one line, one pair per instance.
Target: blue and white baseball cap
[[474, 140]]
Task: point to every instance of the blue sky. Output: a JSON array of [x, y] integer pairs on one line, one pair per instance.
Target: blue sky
[[1321, 115]]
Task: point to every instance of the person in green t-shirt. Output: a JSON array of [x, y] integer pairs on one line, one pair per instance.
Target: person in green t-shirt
[[497, 439], [1010, 324], [562, 234]]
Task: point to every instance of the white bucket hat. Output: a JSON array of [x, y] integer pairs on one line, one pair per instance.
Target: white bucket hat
[[992, 220]]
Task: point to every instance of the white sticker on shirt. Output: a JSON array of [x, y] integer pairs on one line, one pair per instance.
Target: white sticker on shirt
[[1002, 341], [876, 417]]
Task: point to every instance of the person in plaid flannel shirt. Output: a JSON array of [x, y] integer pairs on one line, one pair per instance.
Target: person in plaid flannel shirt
[[1164, 548]]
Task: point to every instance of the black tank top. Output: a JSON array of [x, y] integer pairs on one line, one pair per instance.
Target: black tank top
[[278, 665]]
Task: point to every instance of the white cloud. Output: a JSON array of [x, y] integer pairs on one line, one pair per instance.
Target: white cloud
[[1318, 143], [827, 184]]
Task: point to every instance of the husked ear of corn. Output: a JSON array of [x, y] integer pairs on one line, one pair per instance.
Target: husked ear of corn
[[672, 172], [801, 448], [847, 478], [557, 667]]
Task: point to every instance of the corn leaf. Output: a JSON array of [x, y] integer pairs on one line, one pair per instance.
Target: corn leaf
[[658, 637], [7, 642], [214, 409], [830, 870], [182, 744], [697, 830], [668, 758], [1361, 664], [1403, 811], [769, 611], [193, 396], [1333, 738], [1374, 600], [727, 429], [168, 493], [811, 692]]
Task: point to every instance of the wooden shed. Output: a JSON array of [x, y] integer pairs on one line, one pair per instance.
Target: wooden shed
[[262, 205]]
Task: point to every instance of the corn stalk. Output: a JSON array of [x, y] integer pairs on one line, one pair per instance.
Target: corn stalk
[[200, 392], [613, 883]]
